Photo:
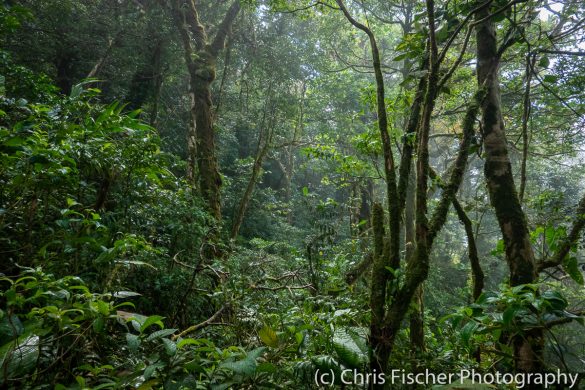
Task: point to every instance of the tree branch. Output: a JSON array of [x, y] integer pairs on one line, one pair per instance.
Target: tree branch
[[569, 241], [224, 29], [203, 324]]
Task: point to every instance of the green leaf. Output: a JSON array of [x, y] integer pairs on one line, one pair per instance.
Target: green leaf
[[268, 337], [509, 314], [103, 308], [400, 57], [19, 357], [77, 89], [170, 347], [133, 342], [10, 328], [189, 341], [256, 353], [98, 324], [549, 78], [152, 320], [467, 331], [15, 141], [246, 366], [571, 267], [351, 350], [160, 333], [555, 299], [544, 62], [150, 370]]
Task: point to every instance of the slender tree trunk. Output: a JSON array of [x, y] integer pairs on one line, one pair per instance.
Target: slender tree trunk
[[477, 275], [378, 291], [528, 347], [264, 143], [391, 257], [290, 152], [417, 335], [157, 77], [366, 195], [530, 60]]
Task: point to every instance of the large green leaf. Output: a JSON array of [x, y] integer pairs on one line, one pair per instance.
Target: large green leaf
[[170, 347], [246, 366], [151, 321], [555, 300], [133, 342], [350, 348], [467, 331], [18, 357], [571, 267], [10, 328]]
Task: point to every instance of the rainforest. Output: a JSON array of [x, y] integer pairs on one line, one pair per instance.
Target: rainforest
[[292, 194]]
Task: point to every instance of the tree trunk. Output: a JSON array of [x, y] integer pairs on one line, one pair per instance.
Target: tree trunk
[[378, 357], [200, 57], [476, 271], [157, 76], [290, 153], [208, 170], [264, 143], [366, 196], [417, 334], [391, 256], [501, 188]]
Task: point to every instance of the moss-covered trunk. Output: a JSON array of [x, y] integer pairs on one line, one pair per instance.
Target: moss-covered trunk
[[200, 58], [209, 179], [417, 334], [501, 187], [379, 355]]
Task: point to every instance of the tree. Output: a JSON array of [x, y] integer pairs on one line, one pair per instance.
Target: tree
[[200, 59]]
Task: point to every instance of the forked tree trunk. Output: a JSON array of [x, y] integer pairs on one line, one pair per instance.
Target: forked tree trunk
[[200, 57], [528, 347]]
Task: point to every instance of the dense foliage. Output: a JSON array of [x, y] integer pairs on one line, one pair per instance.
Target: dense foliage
[[205, 194]]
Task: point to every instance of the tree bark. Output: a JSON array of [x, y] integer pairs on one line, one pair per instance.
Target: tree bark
[[417, 334], [378, 291], [528, 347], [380, 274], [417, 270], [530, 60], [476, 271], [200, 57]]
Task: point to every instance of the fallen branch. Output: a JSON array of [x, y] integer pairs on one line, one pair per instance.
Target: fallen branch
[[306, 286], [207, 322]]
